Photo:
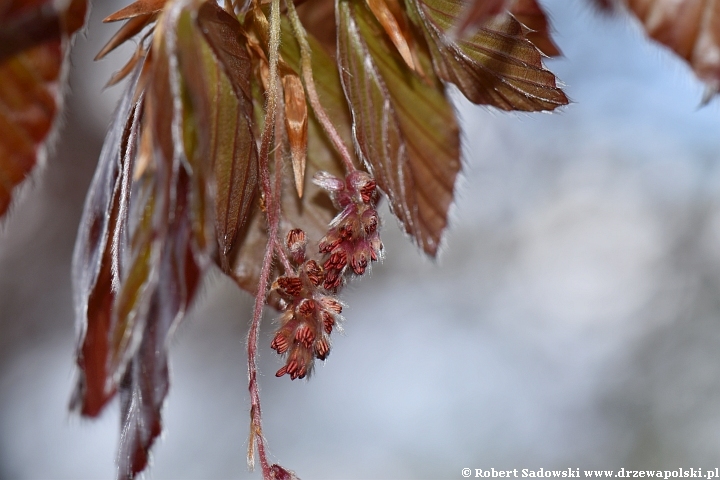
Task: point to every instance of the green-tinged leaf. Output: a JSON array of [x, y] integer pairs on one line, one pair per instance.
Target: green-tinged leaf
[[217, 74], [34, 36], [496, 66], [131, 303], [318, 18], [691, 28], [405, 127], [224, 35]]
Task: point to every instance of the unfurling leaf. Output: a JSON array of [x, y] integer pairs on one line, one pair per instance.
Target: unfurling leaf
[[404, 128], [96, 262], [691, 28], [496, 66], [225, 118], [33, 41], [296, 116]]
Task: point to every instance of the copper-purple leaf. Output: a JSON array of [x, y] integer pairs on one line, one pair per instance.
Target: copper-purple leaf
[[96, 262], [495, 66]]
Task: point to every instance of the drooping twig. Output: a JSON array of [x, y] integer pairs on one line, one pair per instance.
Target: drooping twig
[[307, 74], [272, 217]]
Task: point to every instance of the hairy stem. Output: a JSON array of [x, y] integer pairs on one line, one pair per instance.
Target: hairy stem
[[307, 74], [273, 218], [256, 435]]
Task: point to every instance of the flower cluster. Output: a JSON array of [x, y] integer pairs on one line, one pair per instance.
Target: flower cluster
[[353, 238], [310, 313]]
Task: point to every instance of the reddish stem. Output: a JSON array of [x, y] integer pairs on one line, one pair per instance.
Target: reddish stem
[[252, 345], [272, 218]]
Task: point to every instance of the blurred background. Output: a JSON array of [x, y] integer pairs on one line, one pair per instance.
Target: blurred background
[[571, 320]]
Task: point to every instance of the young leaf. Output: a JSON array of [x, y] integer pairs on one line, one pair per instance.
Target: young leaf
[[171, 243], [496, 66], [145, 382], [96, 259], [405, 129], [152, 198], [691, 28], [218, 75], [33, 43]]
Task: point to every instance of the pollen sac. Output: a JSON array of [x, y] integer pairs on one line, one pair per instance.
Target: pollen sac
[[314, 272], [359, 261], [299, 364], [322, 349], [305, 336], [280, 343], [328, 322], [288, 287], [296, 243], [330, 304], [333, 279], [370, 221], [306, 307]]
